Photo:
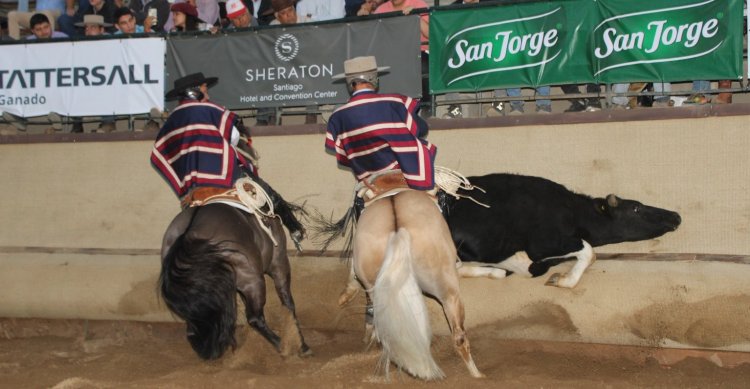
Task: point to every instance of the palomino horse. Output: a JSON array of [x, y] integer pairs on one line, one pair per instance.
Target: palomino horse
[[210, 253], [403, 248]]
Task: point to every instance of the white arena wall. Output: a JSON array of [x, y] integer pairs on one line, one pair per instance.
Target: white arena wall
[[82, 221]]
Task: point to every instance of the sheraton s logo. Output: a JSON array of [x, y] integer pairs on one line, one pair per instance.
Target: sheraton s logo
[[286, 47]]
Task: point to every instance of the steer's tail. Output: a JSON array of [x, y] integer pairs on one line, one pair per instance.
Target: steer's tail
[[401, 321]]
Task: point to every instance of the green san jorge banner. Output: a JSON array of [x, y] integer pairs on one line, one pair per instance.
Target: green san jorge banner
[[669, 40], [579, 41]]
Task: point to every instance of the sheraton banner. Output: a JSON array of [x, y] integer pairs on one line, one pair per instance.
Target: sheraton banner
[[579, 41], [82, 78], [294, 66]]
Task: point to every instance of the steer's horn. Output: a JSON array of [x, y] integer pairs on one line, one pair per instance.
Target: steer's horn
[[612, 200]]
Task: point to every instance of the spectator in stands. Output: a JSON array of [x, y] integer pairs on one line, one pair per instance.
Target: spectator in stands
[[94, 25], [143, 9], [406, 6], [590, 104], [516, 106], [125, 22], [285, 12], [106, 8], [42, 29], [318, 10], [261, 10], [66, 21], [239, 16], [185, 17], [207, 12], [724, 97], [703, 98], [351, 7], [17, 19], [620, 102], [363, 7], [662, 100]]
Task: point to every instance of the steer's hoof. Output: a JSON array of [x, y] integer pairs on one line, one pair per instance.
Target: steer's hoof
[[553, 280], [497, 274]]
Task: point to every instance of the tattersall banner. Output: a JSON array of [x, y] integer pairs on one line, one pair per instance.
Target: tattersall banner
[[294, 66], [82, 78], [578, 41]]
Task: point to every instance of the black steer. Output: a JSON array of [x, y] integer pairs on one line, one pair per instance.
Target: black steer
[[533, 222]]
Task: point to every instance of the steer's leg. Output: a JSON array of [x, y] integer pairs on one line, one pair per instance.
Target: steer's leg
[[518, 263], [476, 270], [585, 256]]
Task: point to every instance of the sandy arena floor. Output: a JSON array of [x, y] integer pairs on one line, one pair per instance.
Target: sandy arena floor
[[79, 354]]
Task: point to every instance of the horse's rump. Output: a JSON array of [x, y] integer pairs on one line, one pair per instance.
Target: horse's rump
[[402, 247]]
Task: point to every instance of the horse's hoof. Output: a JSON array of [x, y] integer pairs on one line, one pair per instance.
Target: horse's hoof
[[553, 280], [305, 351]]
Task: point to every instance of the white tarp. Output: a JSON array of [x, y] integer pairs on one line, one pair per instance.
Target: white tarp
[[112, 76]]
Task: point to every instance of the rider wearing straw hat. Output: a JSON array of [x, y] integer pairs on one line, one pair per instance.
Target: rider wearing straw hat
[[375, 133], [196, 151]]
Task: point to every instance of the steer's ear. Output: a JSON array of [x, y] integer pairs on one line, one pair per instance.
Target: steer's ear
[[612, 200]]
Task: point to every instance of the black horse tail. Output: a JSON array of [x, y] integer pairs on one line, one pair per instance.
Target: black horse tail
[[199, 287]]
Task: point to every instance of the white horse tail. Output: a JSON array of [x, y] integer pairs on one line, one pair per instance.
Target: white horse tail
[[401, 322]]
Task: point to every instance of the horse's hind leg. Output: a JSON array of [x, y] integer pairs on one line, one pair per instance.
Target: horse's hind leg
[[454, 312], [445, 288], [252, 288]]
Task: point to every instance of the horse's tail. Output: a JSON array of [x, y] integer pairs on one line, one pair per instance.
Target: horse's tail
[[401, 321], [198, 285]]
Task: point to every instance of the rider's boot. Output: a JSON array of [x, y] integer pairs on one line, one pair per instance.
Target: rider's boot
[[284, 210]]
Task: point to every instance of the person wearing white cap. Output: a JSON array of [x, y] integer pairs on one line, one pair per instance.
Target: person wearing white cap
[[239, 15], [375, 133]]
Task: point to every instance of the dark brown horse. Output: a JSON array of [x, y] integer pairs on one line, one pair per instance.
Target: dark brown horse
[[209, 254]]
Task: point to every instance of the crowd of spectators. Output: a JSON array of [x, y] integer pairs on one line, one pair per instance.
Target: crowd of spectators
[[73, 18]]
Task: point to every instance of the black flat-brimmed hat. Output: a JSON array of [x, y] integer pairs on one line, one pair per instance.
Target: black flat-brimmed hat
[[190, 81]]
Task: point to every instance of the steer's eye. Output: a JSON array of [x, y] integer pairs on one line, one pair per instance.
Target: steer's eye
[[636, 209]]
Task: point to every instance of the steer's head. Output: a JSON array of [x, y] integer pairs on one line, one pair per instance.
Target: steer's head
[[630, 220]]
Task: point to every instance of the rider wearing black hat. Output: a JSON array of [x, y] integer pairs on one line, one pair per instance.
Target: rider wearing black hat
[[203, 148]]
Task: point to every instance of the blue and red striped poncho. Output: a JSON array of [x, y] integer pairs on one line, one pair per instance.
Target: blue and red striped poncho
[[379, 132], [193, 148]]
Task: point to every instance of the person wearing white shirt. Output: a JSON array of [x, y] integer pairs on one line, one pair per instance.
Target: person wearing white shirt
[[319, 10]]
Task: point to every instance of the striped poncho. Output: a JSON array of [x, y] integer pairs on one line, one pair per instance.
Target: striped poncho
[[378, 132], [193, 148]]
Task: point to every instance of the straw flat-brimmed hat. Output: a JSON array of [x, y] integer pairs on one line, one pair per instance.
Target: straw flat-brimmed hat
[[97, 20], [190, 81], [360, 65]]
